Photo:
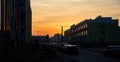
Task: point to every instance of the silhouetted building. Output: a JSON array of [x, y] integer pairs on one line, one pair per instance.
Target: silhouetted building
[[15, 22], [40, 39], [0, 24], [0, 18], [5, 23], [56, 38], [98, 30]]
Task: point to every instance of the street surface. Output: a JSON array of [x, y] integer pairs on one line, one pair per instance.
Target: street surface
[[86, 56], [49, 55]]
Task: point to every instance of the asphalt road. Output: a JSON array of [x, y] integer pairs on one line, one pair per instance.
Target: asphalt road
[[86, 56]]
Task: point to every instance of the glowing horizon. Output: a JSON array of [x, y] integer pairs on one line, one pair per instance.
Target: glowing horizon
[[49, 15]]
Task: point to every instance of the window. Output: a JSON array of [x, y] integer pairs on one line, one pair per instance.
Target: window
[[86, 32]]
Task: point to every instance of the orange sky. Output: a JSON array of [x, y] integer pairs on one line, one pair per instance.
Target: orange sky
[[49, 15]]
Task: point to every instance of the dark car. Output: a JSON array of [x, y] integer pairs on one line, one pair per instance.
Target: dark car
[[112, 50], [70, 49]]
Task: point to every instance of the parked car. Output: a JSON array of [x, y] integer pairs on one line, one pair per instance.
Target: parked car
[[112, 50], [70, 49]]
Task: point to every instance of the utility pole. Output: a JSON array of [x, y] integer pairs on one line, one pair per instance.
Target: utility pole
[[62, 34], [38, 32]]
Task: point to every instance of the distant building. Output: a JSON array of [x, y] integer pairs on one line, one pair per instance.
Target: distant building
[[98, 30], [15, 22], [56, 38], [39, 39]]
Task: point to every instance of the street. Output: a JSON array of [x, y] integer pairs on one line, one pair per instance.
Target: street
[[40, 56], [87, 56]]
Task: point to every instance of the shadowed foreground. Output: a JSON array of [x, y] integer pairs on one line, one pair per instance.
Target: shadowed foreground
[[29, 54]]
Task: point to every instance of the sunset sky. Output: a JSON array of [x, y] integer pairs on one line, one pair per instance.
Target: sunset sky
[[49, 15]]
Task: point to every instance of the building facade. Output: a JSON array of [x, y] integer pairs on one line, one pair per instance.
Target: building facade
[[5, 23], [98, 30], [119, 34], [15, 22], [40, 39]]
